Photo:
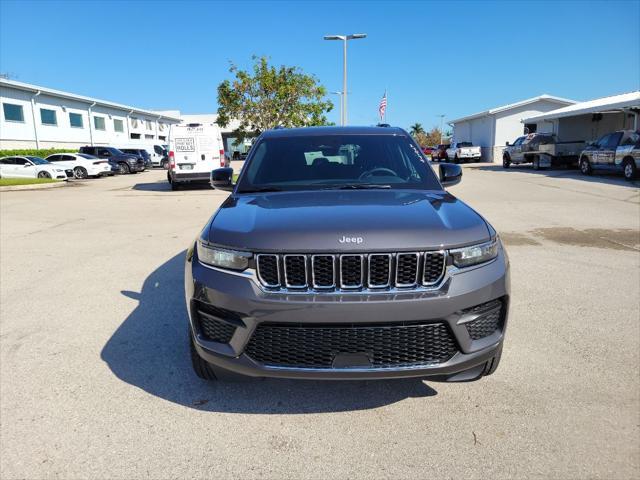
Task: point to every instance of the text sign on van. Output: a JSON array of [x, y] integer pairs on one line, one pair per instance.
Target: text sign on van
[[185, 144]]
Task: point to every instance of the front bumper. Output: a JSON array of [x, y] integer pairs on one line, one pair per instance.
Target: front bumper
[[249, 305]]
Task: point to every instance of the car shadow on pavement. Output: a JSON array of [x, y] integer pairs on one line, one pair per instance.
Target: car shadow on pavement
[[609, 178], [150, 350]]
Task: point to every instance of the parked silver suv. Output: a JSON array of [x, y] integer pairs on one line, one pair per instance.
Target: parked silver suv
[[339, 254]]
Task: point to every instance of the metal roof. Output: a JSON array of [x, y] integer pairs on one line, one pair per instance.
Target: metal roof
[[599, 105], [72, 96], [493, 111]]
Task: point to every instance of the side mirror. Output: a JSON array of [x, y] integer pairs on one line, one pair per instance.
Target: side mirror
[[221, 179], [507, 144], [28, 165], [450, 174]]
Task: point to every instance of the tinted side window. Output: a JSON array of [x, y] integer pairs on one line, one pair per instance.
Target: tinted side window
[[67, 158], [20, 161], [603, 141], [54, 158], [614, 139]]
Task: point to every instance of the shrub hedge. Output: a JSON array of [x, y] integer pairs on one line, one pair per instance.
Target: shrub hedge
[[33, 152]]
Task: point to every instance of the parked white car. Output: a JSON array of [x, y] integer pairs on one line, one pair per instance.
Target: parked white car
[[82, 164], [461, 151], [30, 167]]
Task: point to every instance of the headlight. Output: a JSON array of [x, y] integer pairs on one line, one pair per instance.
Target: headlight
[[222, 258], [467, 256]]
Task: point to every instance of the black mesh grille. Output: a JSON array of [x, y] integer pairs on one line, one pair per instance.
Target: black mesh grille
[[433, 267], [214, 329], [351, 271], [386, 346], [268, 268], [487, 323], [406, 269], [379, 269], [323, 271], [295, 270]]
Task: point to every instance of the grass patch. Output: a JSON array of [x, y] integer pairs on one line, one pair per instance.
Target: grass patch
[[10, 182]]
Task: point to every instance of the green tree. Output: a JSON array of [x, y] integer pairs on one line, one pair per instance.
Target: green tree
[[267, 97], [416, 129]]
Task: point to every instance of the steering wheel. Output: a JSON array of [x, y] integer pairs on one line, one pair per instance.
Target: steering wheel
[[378, 170]]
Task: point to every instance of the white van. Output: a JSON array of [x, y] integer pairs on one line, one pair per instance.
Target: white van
[[194, 150]]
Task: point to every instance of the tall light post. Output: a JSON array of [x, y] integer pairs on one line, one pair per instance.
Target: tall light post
[[345, 39], [441, 126]]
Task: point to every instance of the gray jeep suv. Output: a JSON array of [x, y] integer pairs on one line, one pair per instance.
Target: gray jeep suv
[[339, 255]]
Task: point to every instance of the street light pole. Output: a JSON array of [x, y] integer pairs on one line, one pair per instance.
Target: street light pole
[[345, 39]]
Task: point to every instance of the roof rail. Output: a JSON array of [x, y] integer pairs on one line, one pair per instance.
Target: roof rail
[[385, 125]]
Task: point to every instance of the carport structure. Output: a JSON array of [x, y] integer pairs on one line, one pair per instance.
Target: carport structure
[[587, 121]]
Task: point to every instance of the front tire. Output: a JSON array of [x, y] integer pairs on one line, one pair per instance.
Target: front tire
[[200, 367], [80, 173], [123, 169], [629, 169], [506, 161], [585, 166], [44, 175]]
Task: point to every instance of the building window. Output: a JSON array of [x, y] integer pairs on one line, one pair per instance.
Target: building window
[[75, 120], [135, 136], [134, 122], [98, 123], [149, 137], [161, 126], [118, 126], [530, 127], [149, 126], [13, 113], [162, 137], [48, 117]]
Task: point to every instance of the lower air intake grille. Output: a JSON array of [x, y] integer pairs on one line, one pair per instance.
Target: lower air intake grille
[[488, 322], [214, 329], [386, 345]]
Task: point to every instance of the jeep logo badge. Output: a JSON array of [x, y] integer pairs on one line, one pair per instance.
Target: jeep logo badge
[[345, 239]]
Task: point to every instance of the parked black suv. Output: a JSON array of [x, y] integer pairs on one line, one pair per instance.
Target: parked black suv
[[140, 153], [120, 162], [339, 254]]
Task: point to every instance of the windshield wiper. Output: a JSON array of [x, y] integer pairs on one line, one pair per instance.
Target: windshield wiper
[[358, 186], [261, 189]]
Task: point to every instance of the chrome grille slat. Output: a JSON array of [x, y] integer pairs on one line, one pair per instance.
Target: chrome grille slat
[[352, 271]]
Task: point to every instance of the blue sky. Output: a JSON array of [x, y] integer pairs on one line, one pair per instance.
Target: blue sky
[[454, 58]]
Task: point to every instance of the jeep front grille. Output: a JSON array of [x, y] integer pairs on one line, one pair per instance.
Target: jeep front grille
[[300, 272], [393, 345]]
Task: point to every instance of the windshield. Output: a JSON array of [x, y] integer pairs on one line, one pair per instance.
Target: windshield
[[84, 155], [37, 160], [337, 161], [465, 144]]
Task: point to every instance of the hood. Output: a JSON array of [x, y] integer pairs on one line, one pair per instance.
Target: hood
[[356, 221]]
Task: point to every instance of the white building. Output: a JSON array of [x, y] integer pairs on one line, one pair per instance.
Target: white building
[[39, 117], [492, 128], [587, 121]]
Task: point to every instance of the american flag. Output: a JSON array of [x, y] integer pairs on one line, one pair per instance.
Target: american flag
[[382, 108]]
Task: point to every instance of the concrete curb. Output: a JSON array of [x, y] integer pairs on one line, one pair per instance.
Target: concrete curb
[[35, 186]]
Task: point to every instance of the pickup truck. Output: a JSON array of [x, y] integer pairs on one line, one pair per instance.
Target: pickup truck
[[461, 151], [617, 151], [543, 150]]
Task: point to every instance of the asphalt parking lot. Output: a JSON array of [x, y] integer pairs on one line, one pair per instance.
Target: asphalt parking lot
[[95, 379]]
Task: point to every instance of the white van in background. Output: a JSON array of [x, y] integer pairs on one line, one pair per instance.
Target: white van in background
[[194, 150]]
